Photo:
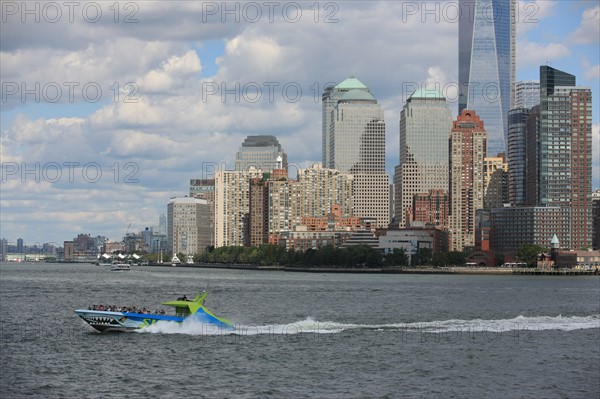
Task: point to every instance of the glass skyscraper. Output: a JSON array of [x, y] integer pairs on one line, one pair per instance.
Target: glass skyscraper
[[354, 143], [425, 123], [486, 64]]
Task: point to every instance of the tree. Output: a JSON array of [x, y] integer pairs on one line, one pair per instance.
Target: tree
[[499, 259], [397, 257], [528, 253], [422, 257]]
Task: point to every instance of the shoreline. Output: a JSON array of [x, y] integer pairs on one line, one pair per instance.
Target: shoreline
[[396, 270]]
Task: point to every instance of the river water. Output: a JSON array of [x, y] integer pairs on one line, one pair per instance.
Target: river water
[[301, 335]]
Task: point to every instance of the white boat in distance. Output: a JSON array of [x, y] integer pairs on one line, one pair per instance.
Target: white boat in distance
[[175, 261], [120, 267]]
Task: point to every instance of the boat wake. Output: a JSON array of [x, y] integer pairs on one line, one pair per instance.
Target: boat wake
[[308, 325]]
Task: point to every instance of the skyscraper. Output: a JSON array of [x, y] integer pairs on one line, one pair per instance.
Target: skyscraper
[[260, 152], [323, 188], [486, 64], [517, 141], [331, 96], [565, 145], [467, 153], [357, 146], [232, 205], [425, 122], [188, 225]]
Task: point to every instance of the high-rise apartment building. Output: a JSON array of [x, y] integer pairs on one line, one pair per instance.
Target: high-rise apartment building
[[425, 123], [486, 64], [257, 223], [188, 225], [517, 155], [261, 152], [322, 188], [512, 227], [284, 207], [467, 153], [496, 181], [565, 158], [232, 205], [527, 94], [532, 154], [432, 208], [357, 146]]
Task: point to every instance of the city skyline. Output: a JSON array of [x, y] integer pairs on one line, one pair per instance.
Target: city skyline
[[177, 131]]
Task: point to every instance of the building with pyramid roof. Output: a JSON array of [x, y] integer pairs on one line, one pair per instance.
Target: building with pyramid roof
[[425, 123]]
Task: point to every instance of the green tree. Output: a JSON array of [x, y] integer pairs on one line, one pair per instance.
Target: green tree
[[528, 253], [397, 257], [499, 259]]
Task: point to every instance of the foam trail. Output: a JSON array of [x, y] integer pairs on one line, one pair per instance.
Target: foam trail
[[308, 325]]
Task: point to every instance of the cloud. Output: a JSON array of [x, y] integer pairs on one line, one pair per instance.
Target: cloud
[[176, 129], [591, 72], [529, 15], [588, 31], [529, 53]]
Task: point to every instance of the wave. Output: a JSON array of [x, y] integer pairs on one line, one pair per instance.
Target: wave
[[311, 326]]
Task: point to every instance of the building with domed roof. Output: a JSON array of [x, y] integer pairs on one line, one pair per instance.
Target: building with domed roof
[[354, 143]]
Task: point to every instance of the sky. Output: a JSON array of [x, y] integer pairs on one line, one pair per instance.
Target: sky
[[108, 109]]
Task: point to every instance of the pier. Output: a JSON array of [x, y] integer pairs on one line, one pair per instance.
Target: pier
[[555, 272]]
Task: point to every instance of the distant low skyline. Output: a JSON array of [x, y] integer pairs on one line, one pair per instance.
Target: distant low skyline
[[106, 115]]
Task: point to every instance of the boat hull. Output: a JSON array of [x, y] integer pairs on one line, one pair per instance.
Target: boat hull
[[125, 321]]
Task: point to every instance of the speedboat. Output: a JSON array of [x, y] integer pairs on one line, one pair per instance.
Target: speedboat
[[103, 320]]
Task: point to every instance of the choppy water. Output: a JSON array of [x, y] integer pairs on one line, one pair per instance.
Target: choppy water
[[302, 335]]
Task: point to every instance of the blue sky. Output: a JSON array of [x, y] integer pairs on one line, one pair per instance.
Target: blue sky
[[177, 129]]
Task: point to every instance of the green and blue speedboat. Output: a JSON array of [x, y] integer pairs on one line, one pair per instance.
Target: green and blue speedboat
[[104, 320]]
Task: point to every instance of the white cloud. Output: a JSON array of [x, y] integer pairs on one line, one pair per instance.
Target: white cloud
[[174, 131], [591, 72], [589, 29], [529, 15], [529, 53]]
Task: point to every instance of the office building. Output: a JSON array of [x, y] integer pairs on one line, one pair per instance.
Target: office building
[[486, 64], [467, 153], [205, 189], [188, 225], [261, 152], [425, 123], [357, 146]]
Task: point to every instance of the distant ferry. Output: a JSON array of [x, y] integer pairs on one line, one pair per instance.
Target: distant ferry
[[120, 267], [105, 320]]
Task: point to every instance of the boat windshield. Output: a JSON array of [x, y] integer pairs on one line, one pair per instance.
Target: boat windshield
[[182, 311]]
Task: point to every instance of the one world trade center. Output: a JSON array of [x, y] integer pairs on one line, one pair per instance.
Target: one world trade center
[[486, 64]]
